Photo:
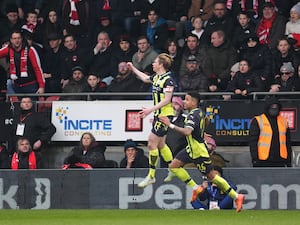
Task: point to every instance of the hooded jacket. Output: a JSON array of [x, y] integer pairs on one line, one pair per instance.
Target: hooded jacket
[[275, 157]]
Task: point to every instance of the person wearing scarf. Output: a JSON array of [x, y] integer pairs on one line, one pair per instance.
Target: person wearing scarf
[[271, 26], [24, 157], [24, 65]]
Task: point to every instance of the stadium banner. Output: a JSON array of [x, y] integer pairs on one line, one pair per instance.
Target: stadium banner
[[106, 120], [230, 120], [117, 189]]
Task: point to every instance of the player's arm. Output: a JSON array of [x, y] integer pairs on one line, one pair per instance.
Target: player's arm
[[142, 76], [187, 130]]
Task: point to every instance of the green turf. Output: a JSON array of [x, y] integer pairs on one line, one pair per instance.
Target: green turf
[[149, 217]]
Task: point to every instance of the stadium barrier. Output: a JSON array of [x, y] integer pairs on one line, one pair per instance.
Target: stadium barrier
[[117, 189]]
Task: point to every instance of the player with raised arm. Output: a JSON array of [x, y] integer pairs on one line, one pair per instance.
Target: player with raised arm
[[162, 92]]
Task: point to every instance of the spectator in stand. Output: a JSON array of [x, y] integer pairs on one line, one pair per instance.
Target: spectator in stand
[[125, 81], [155, 29], [271, 26], [101, 60], [193, 79], [35, 126], [234, 69], [260, 59], [77, 84], [245, 82], [241, 32], [26, 6], [175, 140], [134, 156], [25, 157], [24, 67], [192, 48], [11, 23], [269, 137], [220, 20], [72, 56], [51, 25], [198, 30], [220, 57], [29, 37], [162, 8], [52, 64], [213, 198], [88, 155], [131, 11], [287, 81], [95, 85], [176, 54], [123, 53], [76, 21], [292, 29], [284, 53], [32, 25], [178, 17], [105, 24], [145, 54]]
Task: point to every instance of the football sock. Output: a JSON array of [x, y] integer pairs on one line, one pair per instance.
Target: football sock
[[153, 160], [224, 186], [184, 176], [166, 154]]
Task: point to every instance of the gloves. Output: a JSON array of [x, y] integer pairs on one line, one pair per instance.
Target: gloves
[[65, 166], [84, 165]]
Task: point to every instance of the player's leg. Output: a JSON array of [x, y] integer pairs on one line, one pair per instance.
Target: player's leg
[[176, 167], [153, 141], [164, 150]]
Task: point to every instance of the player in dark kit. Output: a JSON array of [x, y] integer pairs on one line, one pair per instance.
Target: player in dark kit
[[196, 152]]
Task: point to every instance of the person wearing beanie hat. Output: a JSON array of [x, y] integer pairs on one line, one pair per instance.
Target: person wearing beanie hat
[[213, 198], [266, 134], [134, 156], [77, 84], [292, 28], [271, 26], [287, 81]]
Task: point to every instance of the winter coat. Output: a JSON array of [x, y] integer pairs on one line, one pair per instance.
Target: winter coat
[[94, 156], [140, 161], [193, 81]]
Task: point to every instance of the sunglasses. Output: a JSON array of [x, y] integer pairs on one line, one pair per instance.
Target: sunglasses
[[285, 73]]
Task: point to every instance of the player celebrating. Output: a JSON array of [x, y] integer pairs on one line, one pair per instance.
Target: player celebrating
[[162, 91], [196, 152]]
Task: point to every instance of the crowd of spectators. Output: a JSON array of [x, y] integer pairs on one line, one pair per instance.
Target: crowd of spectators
[[80, 38]]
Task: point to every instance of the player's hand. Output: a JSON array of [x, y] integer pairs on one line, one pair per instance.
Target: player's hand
[[165, 120], [145, 112]]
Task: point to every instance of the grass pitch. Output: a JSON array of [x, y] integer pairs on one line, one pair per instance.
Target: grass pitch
[[149, 217]]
